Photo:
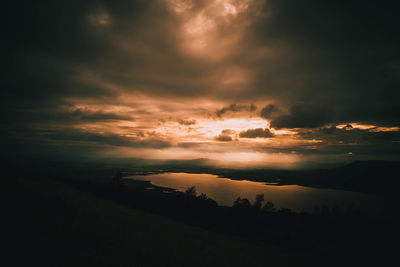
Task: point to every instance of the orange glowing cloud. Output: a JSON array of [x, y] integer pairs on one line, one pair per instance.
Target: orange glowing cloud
[[214, 31], [228, 80]]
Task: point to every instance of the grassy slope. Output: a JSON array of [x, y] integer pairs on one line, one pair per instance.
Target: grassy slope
[[54, 224]]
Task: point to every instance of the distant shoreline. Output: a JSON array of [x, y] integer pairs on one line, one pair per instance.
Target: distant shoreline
[[355, 177]]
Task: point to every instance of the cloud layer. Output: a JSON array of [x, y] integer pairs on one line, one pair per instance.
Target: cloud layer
[[281, 75]]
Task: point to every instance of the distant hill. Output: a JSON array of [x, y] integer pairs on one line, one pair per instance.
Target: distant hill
[[360, 176], [365, 176]]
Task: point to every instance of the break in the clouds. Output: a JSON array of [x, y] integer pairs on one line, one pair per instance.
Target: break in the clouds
[[167, 78]]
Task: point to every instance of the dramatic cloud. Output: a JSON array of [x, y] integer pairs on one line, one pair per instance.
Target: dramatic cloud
[[235, 108], [87, 115], [351, 135], [301, 116], [258, 132], [225, 136], [268, 111], [166, 78]]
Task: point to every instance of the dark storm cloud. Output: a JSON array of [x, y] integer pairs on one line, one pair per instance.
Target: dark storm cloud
[[62, 50], [50, 44], [47, 44], [301, 116], [235, 108], [85, 115], [56, 117], [350, 143], [56, 52], [269, 111], [340, 54], [339, 60], [84, 138], [258, 132], [350, 135]]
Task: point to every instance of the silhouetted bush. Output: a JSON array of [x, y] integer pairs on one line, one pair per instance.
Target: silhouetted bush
[[201, 200], [285, 211], [191, 192], [242, 203], [205, 199], [269, 207], [258, 203]]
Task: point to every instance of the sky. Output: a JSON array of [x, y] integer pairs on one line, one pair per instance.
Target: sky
[[241, 84]]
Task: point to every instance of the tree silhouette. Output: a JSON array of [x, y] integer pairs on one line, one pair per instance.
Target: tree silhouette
[[205, 199], [191, 192], [241, 203], [269, 207], [259, 200]]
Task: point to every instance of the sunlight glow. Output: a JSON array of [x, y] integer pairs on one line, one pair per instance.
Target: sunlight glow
[[210, 32], [211, 128]]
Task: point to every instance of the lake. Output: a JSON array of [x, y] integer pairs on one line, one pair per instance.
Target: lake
[[295, 197]]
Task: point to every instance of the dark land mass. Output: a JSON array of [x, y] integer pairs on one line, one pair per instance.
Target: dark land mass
[[362, 176], [62, 214], [53, 222]]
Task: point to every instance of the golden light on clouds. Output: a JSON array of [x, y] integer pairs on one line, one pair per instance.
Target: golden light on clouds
[[225, 80], [211, 128], [213, 31], [230, 157], [180, 6]]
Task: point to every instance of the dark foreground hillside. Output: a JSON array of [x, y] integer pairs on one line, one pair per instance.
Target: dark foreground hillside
[[50, 223]]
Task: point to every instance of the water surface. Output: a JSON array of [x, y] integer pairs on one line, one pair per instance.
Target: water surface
[[295, 197]]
